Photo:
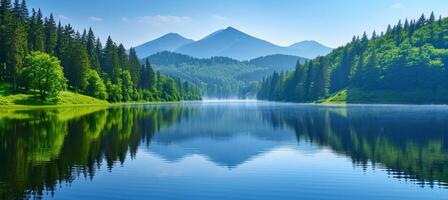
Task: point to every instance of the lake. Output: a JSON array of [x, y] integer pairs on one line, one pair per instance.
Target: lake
[[225, 150]]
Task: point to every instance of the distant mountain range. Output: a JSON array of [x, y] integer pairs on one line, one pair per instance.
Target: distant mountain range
[[231, 43]]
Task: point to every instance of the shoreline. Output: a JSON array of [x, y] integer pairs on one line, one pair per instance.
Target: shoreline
[[338, 104], [30, 107]]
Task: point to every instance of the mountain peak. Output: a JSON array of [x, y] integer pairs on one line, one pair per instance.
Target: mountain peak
[[310, 48], [308, 43], [168, 42], [232, 30], [172, 34]]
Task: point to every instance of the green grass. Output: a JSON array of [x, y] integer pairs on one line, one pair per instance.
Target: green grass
[[10, 99], [354, 95]]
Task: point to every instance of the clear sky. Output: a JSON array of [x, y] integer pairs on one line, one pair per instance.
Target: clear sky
[[283, 22]]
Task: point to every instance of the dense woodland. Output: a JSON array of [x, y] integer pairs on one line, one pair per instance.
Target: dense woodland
[[223, 77], [409, 58], [107, 72]]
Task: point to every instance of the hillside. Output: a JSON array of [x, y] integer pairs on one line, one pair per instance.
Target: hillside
[[231, 43], [279, 62], [221, 76], [9, 98], [406, 64]]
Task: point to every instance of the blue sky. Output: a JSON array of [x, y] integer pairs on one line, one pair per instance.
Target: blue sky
[[283, 22]]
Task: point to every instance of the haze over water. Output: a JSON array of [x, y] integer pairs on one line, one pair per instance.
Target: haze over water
[[225, 150]]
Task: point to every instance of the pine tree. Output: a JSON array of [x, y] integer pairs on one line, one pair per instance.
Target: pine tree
[[51, 35], [123, 60], [432, 18], [421, 21], [16, 9], [134, 67], [12, 42], [76, 65], [109, 58], [90, 42], [148, 77], [389, 29], [36, 32], [5, 35], [60, 43], [17, 50], [96, 55], [374, 36], [24, 13], [84, 37]]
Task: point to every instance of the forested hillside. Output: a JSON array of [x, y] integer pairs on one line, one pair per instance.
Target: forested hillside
[[406, 64], [105, 72], [222, 77]]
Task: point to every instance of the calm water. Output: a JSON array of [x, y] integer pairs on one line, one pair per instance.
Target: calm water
[[225, 150]]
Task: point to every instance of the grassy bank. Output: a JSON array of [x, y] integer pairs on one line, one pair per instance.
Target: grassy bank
[[354, 95], [10, 99]]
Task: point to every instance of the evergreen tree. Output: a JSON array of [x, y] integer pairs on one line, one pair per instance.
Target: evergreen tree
[[109, 58], [76, 65], [36, 32], [16, 9], [98, 51], [123, 60], [17, 50], [5, 35], [24, 13], [134, 67], [148, 76], [92, 50], [51, 35]]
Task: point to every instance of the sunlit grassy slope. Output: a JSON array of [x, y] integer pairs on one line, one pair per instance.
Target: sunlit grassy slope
[[354, 95], [8, 98]]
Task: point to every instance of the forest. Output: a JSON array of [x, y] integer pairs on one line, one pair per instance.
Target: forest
[[223, 77], [408, 63], [41, 57]]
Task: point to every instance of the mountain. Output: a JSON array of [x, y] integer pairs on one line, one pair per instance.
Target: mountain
[[168, 42], [222, 77], [407, 64], [310, 49], [231, 43]]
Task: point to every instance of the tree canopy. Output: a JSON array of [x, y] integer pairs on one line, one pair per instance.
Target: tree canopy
[[44, 74], [108, 72], [407, 58]]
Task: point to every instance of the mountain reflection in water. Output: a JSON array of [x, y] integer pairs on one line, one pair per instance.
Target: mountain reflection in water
[[43, 149]]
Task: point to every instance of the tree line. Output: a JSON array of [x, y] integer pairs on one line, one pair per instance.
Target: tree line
[[410, 56], [108, 72]]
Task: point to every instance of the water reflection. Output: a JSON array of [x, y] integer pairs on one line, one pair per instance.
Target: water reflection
[[411, 142], [40, 149]]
